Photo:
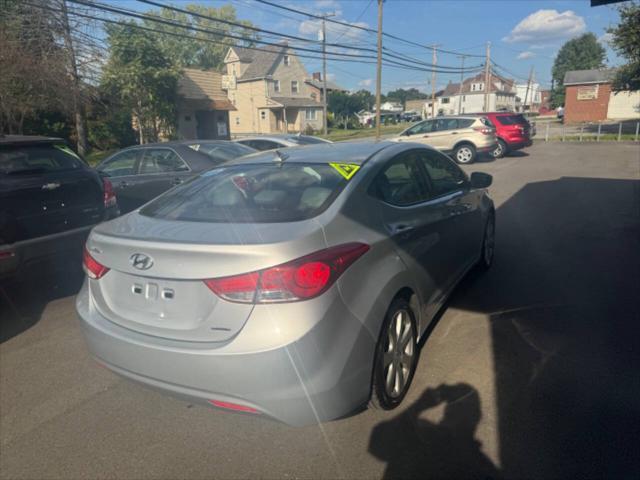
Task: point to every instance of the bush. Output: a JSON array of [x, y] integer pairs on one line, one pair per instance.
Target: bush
[[309, 130]]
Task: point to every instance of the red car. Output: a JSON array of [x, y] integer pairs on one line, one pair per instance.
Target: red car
[[513, 131]]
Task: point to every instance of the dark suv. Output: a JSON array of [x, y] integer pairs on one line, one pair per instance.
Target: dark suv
[[49, 200]]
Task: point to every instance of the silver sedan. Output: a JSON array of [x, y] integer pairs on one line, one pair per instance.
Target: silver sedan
[[295, 284]]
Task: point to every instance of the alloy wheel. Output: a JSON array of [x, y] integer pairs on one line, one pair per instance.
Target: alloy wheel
[[497, 153], [398, 357]]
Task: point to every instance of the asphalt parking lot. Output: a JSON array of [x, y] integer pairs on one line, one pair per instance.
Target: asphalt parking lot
[[530, 371]]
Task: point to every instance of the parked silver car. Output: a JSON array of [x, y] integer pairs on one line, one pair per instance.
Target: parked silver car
[[295, 284], [271, 142]]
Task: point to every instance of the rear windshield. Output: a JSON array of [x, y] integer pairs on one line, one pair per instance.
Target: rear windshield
[[33, 159], [223, 151], [305, 140], [252, 193], [511, 120]]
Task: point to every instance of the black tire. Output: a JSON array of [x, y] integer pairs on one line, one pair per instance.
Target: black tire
[[464, 154], [501, 150], [380, 396], [486, 258]]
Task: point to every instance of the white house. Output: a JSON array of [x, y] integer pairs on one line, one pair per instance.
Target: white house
[[531, 98], [502, 96]]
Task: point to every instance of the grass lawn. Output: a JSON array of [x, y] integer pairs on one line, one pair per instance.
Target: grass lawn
[[339, 134], [96, 156]]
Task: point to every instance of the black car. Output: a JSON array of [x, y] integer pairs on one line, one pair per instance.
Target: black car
[[49, 199], [143, 172]]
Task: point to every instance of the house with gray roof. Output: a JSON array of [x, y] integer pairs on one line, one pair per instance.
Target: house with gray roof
[[269, 88]]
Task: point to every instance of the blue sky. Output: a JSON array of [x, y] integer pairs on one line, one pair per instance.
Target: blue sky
[[522, 33]]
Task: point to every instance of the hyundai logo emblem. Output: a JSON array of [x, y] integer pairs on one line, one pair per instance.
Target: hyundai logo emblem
[[141, 261]]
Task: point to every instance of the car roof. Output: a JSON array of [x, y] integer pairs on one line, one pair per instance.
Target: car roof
[[28, 139], [343, 152], [277, 136]]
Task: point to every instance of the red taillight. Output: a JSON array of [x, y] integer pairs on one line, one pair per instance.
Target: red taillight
[[94, 269], [109, 194], [484, 130], [300, 279], [233, 406]]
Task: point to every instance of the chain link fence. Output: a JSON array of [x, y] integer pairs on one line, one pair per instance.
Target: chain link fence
[[627, 130]]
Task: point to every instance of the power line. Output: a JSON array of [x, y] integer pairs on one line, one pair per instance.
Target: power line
[[395, 55], [358, 27], [387, 62]]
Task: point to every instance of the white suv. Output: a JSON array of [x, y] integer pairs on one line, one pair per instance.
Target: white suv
[[463, 137]]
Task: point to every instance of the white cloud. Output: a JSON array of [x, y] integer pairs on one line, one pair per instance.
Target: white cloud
[[312, 28], [546, 26], [525, 55], [367, 82]]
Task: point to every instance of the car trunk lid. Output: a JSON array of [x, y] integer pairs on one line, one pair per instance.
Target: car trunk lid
[[155, 284]]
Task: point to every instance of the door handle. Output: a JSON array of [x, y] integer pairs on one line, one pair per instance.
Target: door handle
[[51, 186], [425, 136], [454, 133], [396, 228]]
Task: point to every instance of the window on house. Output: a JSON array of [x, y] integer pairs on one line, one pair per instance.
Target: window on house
[[311, 114], [233, 68], [294, 86], [445, 100], [263, 115], [287, 60], [276, 86]]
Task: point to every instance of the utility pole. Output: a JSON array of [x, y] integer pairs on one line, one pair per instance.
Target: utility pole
[[434, 60], [379, 70], [324, 71], [487, 78], [462, 57], [526, 94]]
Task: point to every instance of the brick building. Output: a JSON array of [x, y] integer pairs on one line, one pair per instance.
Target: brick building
[[587, 95]]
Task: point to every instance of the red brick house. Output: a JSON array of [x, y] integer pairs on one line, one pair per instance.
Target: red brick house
[[587, 94]]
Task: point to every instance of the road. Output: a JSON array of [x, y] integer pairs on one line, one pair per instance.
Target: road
[[535, 363]]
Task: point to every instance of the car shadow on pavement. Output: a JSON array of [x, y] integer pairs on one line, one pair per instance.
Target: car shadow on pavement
[[562, 303], [414, 447], [23, 298]]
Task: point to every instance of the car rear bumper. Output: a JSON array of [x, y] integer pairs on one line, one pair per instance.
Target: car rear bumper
[[21, 255], [323, 375], [519, 144], [487, 148]]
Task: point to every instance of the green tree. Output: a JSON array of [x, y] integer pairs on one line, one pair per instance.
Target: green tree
[[401, 95], [626, 42], [199, 49], [344, 105], [367, 99], [143, 79], [582, 53]]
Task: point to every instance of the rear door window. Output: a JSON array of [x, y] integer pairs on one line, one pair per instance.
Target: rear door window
[[252, 193], [161, 160], [443, 124], [122, 164], [511, 120], [465, 122], [422, 127], [36, 159]]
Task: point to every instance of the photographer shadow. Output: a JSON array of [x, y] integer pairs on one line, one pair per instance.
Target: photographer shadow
[[414, 447]]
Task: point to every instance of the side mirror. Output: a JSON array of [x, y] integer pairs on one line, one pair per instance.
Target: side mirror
[[481, 180]]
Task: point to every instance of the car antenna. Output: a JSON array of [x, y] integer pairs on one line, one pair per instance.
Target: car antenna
[[280, 157]]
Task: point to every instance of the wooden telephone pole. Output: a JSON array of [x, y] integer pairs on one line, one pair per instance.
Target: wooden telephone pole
[[487, 78], [462, 57], [379, 70], [526, 94], [434, 61], [324, 70]]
